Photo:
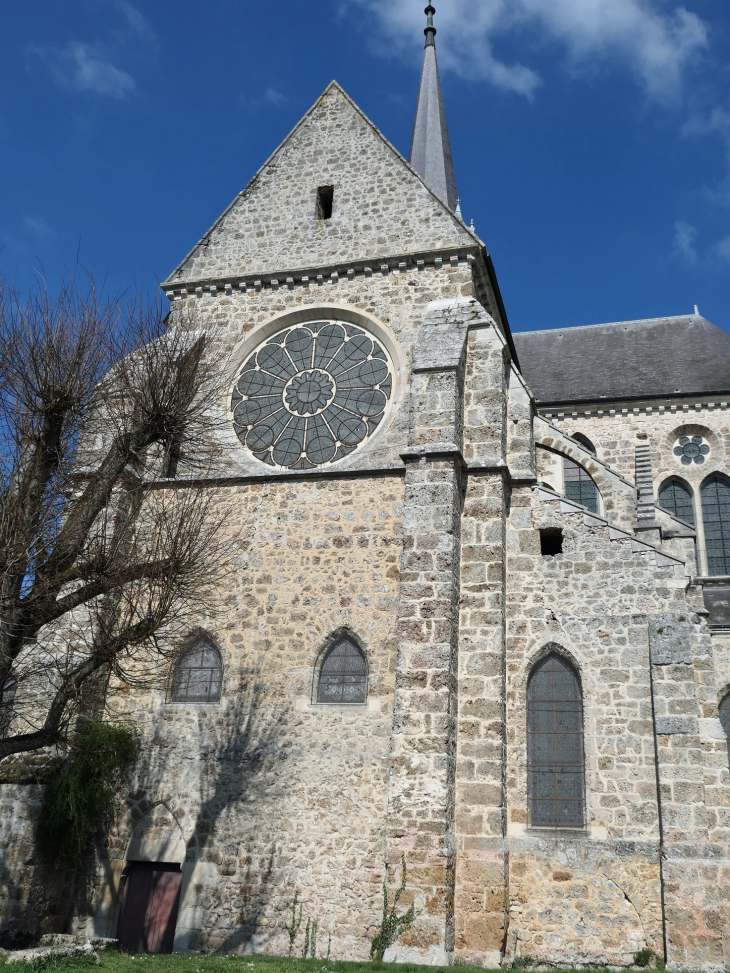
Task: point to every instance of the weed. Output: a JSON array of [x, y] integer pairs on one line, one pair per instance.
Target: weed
[[645, 956], [392, 925], [293, 929]]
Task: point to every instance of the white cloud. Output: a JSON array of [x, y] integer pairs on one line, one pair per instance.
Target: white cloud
[[38, 226], [271, 97], [716, 123], [274, 97], [135, 20], [723, 248], [655, 44], [81, 67], [684, 237]]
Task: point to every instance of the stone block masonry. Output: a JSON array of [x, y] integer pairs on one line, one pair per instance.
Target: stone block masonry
[[423, 547]]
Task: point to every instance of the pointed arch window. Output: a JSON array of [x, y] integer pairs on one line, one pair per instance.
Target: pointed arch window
[[555, 758], [7, 700], [675, 497], [343, 675], [198, 675], [579, 486], [715, 496], [584, 442]]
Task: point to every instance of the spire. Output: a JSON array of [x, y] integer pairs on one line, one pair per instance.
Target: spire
[[430, 153]]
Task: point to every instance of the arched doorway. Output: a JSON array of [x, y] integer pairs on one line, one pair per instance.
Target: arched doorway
[[153, 877]]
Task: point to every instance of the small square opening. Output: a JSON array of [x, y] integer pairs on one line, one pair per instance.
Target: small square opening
[[325, 197], [551, 541]]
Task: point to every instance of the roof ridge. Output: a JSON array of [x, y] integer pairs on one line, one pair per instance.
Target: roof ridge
[[609, 324]]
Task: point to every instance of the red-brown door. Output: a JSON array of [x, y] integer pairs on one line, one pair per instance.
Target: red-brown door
[[149, 907]]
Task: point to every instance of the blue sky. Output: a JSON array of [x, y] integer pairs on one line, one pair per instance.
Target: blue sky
[[591, 138]]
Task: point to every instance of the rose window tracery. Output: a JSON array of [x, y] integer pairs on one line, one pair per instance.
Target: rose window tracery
[[311, 394], [691, 449]]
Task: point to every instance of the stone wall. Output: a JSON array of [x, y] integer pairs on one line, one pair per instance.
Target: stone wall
[[380, 207], [617, 433], [271, 792]]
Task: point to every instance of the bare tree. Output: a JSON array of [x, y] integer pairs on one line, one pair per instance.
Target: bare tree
[[102, 551]]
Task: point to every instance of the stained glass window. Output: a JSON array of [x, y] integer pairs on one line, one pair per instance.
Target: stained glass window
[[716, 518], [198, 674], [725, 714], [579, 486], [585, 442], [343, 676], [7, 698], [675, 497], [555, 746], [691, 450], [311, 394]]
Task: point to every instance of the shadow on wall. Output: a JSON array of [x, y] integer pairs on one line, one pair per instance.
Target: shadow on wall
[[242, 749], [35, 898]]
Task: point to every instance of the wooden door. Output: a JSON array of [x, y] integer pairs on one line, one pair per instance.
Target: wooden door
[[149, 907]]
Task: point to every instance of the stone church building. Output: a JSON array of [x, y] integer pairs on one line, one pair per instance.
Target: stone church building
[[480, 608]]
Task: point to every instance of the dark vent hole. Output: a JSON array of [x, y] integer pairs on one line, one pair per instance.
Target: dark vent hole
[[551, 541], [325, 196]]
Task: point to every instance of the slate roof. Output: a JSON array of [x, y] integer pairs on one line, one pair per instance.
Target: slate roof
[[430, 153], [656, 357]]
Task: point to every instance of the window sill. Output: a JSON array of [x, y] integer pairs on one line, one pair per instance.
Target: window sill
[[180, 704], [303, 704], [595, 832]]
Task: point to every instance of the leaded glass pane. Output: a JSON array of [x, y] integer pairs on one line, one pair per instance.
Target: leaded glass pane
[[675, 497], [716, 518], [579, 486], [198, 675], [311, 394], [691, 449], [343, 676], [7, 698], [555, 746], [725, 719], [585, 442]]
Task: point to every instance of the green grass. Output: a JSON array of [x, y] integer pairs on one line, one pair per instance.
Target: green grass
[[113, 961]]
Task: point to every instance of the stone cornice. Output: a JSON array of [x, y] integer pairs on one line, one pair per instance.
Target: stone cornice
[[674, 405], [316, 276]]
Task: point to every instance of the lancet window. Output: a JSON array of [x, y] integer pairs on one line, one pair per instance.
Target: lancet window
[[716, 520], [556, 765], [675, 497], [579, 486], [198, 675], [343, 674]]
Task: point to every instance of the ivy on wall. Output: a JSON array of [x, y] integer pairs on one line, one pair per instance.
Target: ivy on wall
[[83, 794]]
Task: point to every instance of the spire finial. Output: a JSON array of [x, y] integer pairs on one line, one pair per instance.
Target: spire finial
[[430, 30]]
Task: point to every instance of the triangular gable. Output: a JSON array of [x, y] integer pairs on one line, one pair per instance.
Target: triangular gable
[[382, 207]]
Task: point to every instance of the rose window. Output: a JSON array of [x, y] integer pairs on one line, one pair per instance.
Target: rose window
[[691, 450], [311, 394]]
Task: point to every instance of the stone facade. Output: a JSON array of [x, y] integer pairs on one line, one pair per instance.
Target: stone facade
[[424, 546]]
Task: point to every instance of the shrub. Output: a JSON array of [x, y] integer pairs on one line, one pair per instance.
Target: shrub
[[83, 794]]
